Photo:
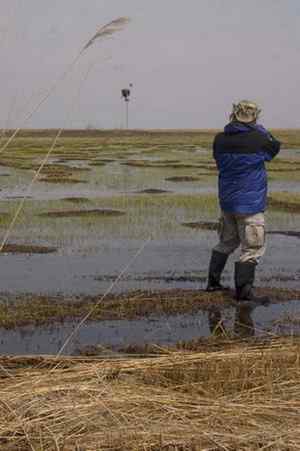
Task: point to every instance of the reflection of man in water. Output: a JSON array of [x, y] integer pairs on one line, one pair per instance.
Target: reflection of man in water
[[243, 322]]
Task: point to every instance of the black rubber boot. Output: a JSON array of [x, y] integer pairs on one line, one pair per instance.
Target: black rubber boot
[[217, 264], [244, 279]]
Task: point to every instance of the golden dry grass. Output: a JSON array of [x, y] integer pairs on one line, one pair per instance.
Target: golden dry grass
[[245, 397]]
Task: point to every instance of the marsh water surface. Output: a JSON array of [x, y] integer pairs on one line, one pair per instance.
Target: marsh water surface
[[157, 187]]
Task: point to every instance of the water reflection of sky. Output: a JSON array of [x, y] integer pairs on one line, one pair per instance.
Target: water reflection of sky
[[162, 265]]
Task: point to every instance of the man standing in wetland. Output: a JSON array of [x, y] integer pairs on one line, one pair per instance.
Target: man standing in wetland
[[240, 153]]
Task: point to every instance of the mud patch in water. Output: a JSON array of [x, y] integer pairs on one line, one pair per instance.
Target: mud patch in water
[[105, 160], [207, 174], [70, 159], [18, 197], [153, 191], [160, 164], [151, 163], [11, 248], [200, 225], [61, 180], [136, 163], [167, 278], [103, 213], [183, 178], [97, 163], [76, 200]]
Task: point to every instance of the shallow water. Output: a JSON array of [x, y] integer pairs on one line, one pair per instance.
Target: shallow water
[[246, 321], [162, 265]]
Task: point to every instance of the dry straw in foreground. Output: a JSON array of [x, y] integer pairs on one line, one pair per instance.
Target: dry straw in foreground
[[246, 397]]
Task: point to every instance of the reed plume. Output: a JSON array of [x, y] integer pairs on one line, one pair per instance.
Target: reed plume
[[108, 30]]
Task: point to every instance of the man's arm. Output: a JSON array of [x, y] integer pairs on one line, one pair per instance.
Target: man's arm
[[271, 147], [215, 148]]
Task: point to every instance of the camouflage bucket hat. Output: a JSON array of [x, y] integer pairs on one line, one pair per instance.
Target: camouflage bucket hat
[[245, 111]]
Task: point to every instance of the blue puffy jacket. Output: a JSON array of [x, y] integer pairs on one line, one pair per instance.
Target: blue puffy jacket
[[240, 153]]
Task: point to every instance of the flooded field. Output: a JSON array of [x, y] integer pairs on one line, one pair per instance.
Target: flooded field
[[98, 199]]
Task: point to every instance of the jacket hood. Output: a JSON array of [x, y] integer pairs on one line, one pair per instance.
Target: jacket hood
[[239, 127]]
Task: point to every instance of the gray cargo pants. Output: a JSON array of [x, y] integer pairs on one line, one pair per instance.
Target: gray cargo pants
[[245, 230]]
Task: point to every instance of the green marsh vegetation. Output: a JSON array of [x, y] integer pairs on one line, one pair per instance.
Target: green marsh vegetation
[[159, 180], [41, 310], [134, 216]]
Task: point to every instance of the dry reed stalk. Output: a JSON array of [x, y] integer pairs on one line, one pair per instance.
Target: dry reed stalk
[[240, 399]]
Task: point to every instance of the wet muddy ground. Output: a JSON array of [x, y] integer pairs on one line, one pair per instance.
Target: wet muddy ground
[[95, 204]]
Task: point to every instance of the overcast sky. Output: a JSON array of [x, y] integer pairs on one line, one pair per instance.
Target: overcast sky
[[188, 60]]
